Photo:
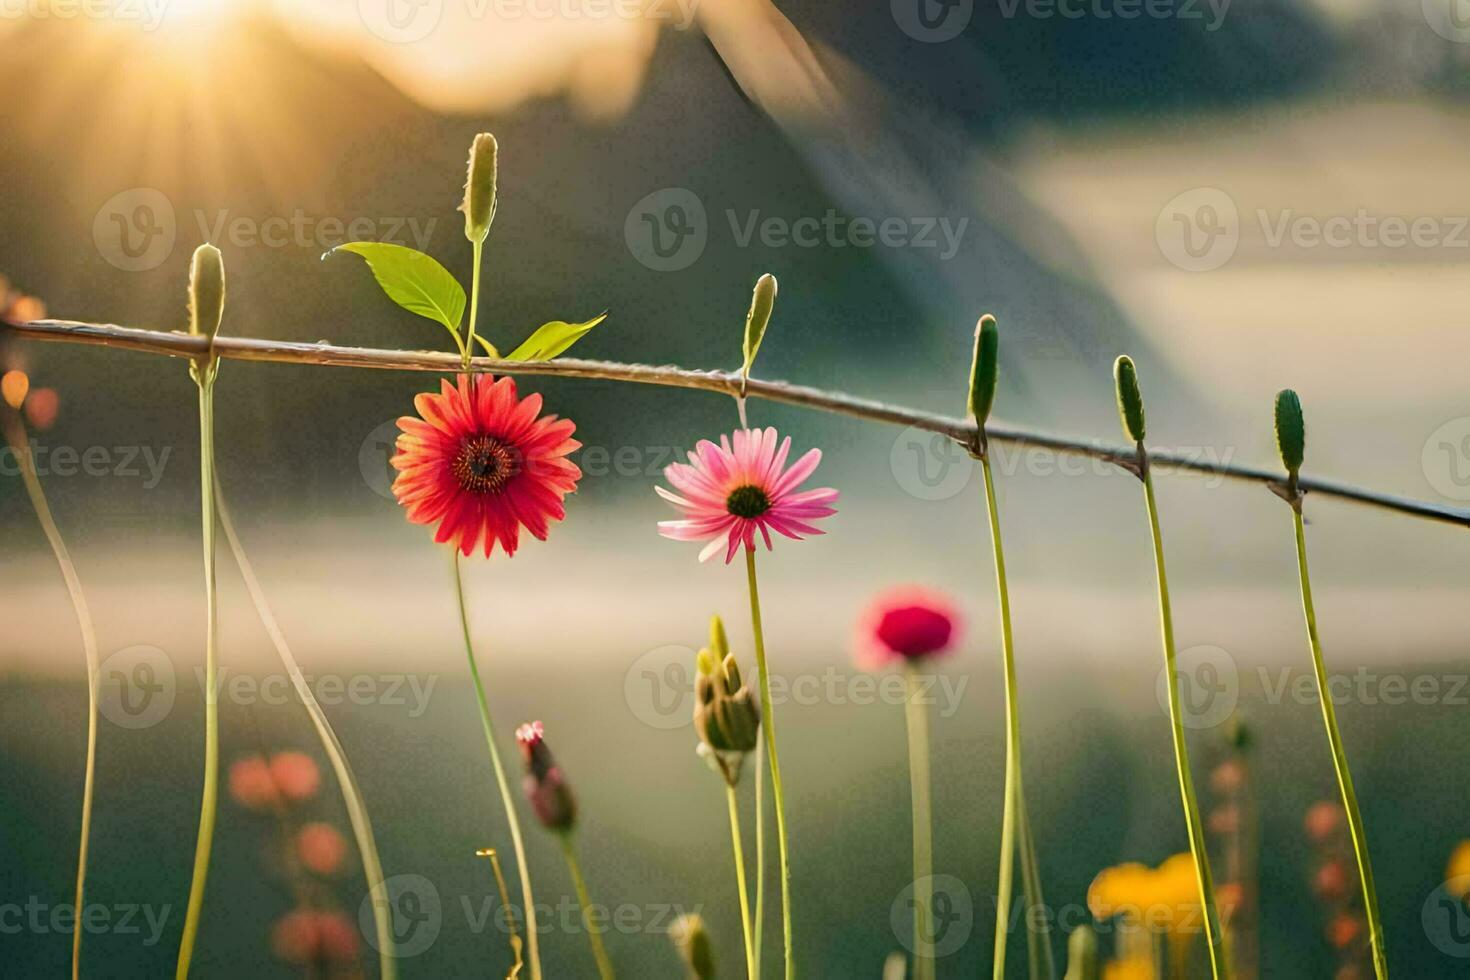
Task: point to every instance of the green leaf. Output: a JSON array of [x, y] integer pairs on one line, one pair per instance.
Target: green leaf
[[413, 280], [551, 339], [490, 350]]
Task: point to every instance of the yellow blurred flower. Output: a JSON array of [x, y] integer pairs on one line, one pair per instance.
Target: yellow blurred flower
[[1131, 968], [1457, 871]]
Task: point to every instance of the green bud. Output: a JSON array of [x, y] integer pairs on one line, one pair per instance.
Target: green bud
[[705, 662], [762, 302], [689, 936], [479, 188], [206, 291], [719, 644], [1291, 430], [1130, 399], [1082, 954], [984, 368], [732, 673], [726, 713]]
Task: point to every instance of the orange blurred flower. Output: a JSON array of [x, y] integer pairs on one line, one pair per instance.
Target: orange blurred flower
[[321, 848], [251, 784], [295, 775]]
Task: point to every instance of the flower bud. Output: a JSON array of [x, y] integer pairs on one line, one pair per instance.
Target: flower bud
[[479, 188], [545, 787], [726, 713], [14, 386], [984, 369], [689, 936], [762, 303], [206, 291], [1291, 430], [1082, 954], [1130, 399]]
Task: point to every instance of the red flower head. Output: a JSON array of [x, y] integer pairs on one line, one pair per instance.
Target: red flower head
[[545, 787], [483, 463], [741, 486], [906, 623]]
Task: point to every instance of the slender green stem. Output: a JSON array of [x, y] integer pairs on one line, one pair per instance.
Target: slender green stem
[[917, 720], [1219, 956], [750, 966], [1339, 759], [15, 434], [533, 952], [357, 814], [1015, 823], [208, 802], [594, 935], [468, 349], [768, 723], [760, 856]]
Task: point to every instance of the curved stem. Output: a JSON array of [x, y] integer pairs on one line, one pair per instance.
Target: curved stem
[[1015, 819], [208, 800], [760, 856], [768, 723], [357, 814], [15, 434], [1219, 957], [917, 722], [1339, 759], [604, 965], [724, 382], [739, 848], [533, 952]]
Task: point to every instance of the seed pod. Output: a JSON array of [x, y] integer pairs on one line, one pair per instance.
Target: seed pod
[[1130, 399], [479, 188], [206, 291], [984, 368], [1291, 430], [689, 936]]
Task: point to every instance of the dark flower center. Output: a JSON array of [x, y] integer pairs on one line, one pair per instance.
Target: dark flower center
[[483, 464], [747, 501]]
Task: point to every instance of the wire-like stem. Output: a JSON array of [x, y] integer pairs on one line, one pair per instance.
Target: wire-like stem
[[1219, 956], [204, 375], [533, 951], [469, 342], [1339, 758], [739, 849], [584, 899], [760, 855], [768, 723], [916, 718], [1015, 820], [357, 814], [15, 434], [962, 431]]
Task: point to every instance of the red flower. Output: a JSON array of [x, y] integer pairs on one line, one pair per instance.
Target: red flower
[[483, 463], [295, 775], [906, 623], [321, 848]]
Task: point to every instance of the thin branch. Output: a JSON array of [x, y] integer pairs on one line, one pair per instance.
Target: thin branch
[[728, 383]]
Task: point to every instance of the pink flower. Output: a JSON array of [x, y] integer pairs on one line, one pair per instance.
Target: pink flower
[[741, 486], [251, 784], [295, 775], [310, 936], [906, 623], [321, 848]]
